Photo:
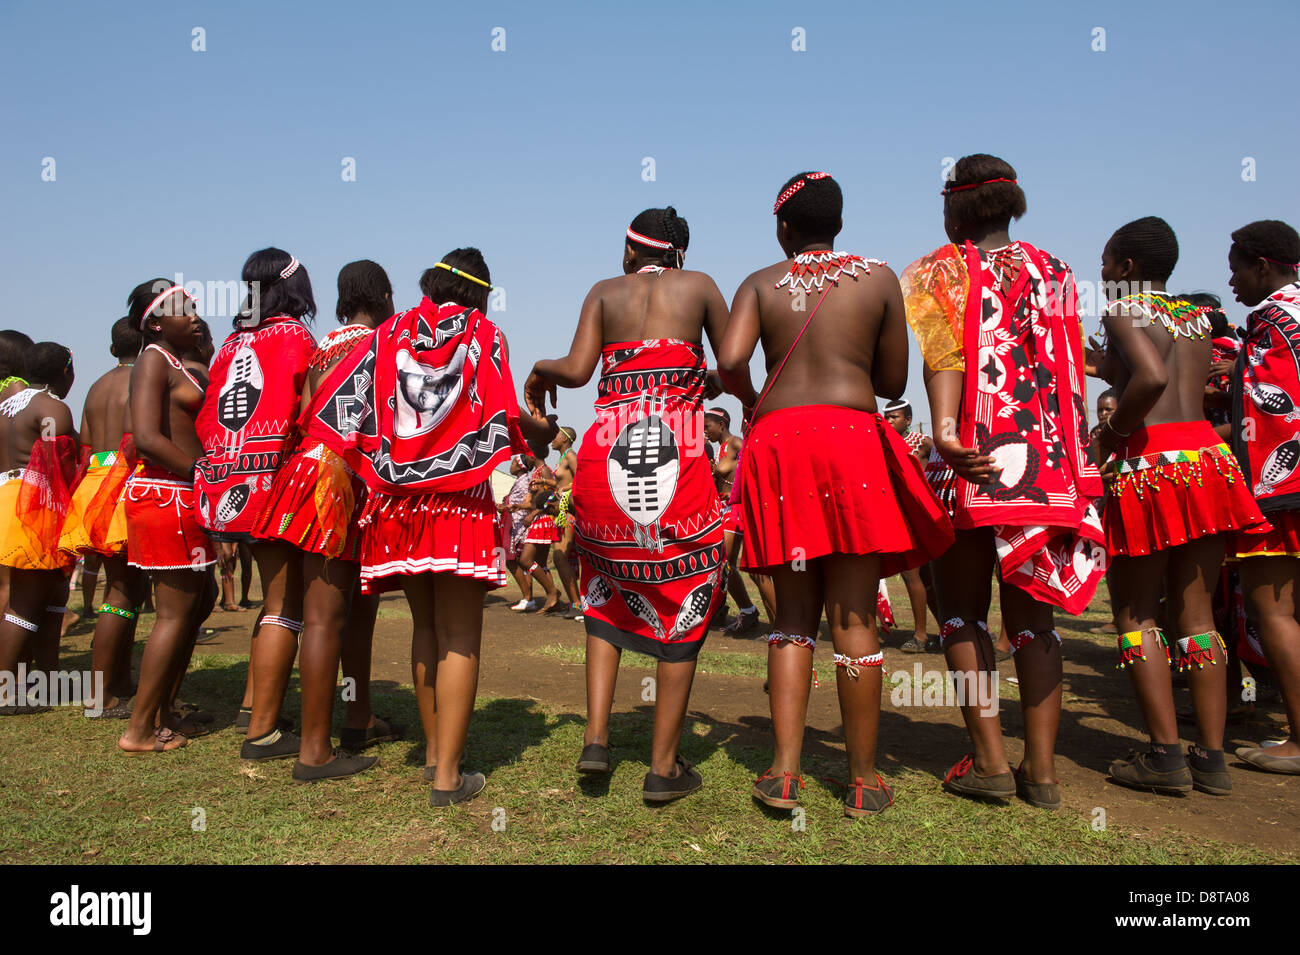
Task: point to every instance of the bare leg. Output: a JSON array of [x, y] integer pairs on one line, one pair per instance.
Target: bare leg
[[542, 574], [1269, 585], [274, 645], [31, 591], [1192, 576], [851, 612], [459, 629], [1038, 667], [916, 596], [799, 599], [964, 582], [115, 634], [177, 592], [602, 675], [564, 566], [1135, 584], [89, 579], [424, 658], [358, 641], [672, 696], [325, 610]]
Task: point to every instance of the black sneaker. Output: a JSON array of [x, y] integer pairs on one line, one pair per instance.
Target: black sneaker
[[1139, 772], [659, 789], [343, 764], [354, 741], [471, 784], [594, 759], [1209, 771], [277, 744]]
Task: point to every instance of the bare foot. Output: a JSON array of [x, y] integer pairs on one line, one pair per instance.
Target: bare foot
[[233, 608], [162, 741]]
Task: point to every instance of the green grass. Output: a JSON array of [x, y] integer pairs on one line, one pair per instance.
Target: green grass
[[710, 660], [76, 799]]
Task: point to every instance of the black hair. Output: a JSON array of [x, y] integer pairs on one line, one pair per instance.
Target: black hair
[[139, 300], [664, 225], [364, 287], [1149, 241], [987, 201], [815, 209], [441, 286], [1219, 327], [126, 339], [46, 362], [1270, 239], [269, 294], [1108, 393], [13, 353]]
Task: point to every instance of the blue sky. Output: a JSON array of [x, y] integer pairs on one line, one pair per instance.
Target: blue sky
[[169, 160]]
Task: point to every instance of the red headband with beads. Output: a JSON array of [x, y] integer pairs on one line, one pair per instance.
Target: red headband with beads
[[949, 190], [795, 186]]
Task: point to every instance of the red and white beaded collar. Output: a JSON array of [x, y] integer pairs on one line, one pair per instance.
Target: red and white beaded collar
[[812, 270]]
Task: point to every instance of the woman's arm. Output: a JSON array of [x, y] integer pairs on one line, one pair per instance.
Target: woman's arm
[[944, 389], [738, 344], [1147, 381], [889, 366], [150, 402], [573, 370]]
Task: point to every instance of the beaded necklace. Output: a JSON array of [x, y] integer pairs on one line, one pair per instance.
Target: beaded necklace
[[812, 270], [1005, 261], [16, 403], [656, 269], [10, 380], [1177, 316], [336, 344]]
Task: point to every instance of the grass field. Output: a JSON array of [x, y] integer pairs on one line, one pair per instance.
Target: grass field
[[67, 795]]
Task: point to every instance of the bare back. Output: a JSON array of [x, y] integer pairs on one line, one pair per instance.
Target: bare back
[[44, 415], [673, 303], [103, 418], [1187, 364], [855, 345]]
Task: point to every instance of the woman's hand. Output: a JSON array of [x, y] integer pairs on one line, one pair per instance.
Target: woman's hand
[[1103, 446], [968, 462], [712, 385], [536, 389]]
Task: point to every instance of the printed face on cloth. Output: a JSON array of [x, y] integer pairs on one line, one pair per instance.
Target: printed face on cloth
[[428, 406]]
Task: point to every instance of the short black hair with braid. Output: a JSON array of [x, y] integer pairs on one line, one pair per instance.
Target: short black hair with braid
[[1149, 241], [125, 339], [983, 201], [666, 226], [46, 362], [441, 286], [815, 209], [364, 287], [1270, 239]]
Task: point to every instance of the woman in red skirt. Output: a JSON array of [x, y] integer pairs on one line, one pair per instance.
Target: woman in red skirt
[[540, 535], [647, 522], [163, 536], [251, 403], [832, 499], [314, 505], [1173, 491], [425, 413], [1004, 368]]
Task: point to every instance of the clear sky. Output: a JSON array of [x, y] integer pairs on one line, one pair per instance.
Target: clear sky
[[167, 160]]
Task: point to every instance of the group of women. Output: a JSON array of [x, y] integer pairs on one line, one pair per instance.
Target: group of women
[[361, 465]]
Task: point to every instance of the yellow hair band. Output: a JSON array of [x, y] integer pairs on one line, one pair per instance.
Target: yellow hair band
[[464, 275]]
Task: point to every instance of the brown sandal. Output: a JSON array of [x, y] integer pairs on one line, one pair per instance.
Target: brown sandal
[[162, 738]]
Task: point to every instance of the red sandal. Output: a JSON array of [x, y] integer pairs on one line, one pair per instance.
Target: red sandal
[[778, 791], [858, 804]]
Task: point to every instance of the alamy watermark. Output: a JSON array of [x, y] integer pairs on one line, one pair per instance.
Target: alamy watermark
[[53, 688]]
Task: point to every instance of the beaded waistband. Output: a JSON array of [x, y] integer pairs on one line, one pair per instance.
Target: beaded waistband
[[1143, 462]]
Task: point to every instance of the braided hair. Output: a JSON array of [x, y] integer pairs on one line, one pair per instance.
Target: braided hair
[[973, 197], [665, 225], [364, 287], [1149, 241], [126, 339], [813, 209], [14, 346], [47, 362]]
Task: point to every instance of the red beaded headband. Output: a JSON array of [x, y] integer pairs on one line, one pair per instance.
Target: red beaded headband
[[949, 190], [795, 186], [646, 240], [1286, 265], [157, 301]]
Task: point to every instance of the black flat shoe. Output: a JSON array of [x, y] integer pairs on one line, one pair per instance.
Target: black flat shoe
[[1137, 772], [471, 784], [278, 745], [354, 741], [660, 789], [594, 759], [343, 764]]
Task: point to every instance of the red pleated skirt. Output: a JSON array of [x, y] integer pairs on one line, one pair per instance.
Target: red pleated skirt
[[823, 479], [543, 531], [452, 533], [1175, 483], [162, 532], [1282, 539], [301, 486]]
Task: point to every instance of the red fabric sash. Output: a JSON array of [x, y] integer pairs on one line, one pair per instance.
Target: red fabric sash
[[1266, 401], [53, 470], [426, 405], [99, 512], [1025, 406], [244, 425]]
